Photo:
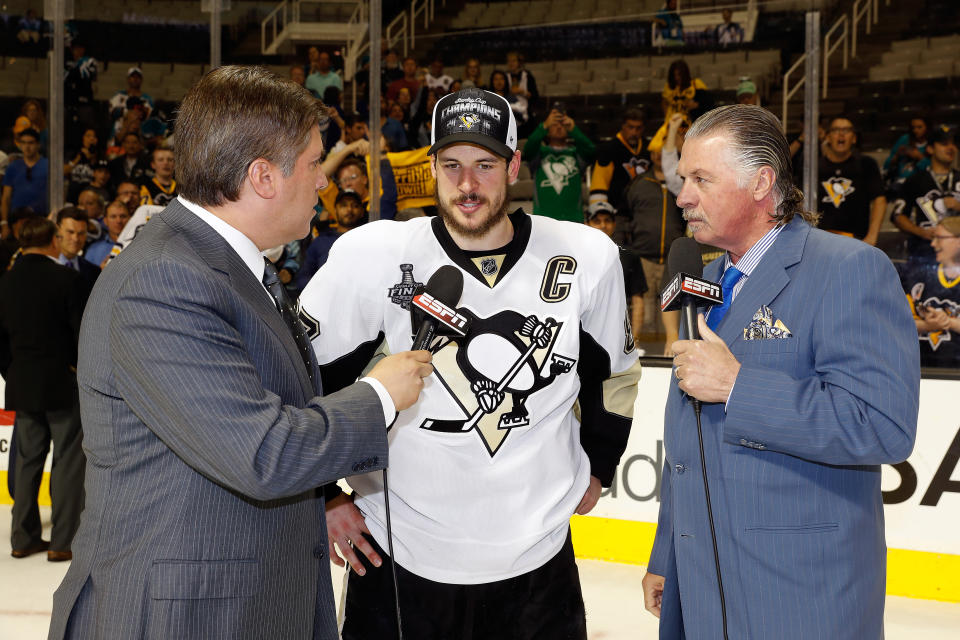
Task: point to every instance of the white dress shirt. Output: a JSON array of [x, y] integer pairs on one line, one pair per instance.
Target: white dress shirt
[[253, 258]]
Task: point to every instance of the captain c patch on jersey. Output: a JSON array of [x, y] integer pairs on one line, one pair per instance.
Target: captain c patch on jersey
[[491, 372]]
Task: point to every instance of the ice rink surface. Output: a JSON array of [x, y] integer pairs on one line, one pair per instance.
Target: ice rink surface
[[612, 593]]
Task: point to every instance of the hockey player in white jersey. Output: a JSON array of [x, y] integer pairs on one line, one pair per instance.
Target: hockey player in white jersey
[[523, 420]]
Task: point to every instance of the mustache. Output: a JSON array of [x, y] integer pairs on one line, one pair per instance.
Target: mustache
[[690, 213], [469, 197]]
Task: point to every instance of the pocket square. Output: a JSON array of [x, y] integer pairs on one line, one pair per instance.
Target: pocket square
[[764, 326]]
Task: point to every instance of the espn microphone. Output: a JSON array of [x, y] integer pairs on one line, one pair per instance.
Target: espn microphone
[[438, 303], [687, 289]]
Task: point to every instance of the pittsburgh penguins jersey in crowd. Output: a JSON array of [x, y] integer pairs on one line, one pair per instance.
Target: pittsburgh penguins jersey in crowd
[[929, 287], [846, 192], [922, 200], [532, 391], [152, 192], [617, 164]]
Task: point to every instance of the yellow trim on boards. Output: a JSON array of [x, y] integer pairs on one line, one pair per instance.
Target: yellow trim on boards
[[914, 574], [44, 499]]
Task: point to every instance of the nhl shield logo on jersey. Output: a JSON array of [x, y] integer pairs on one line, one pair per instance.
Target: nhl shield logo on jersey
[[488, 266], [838, 190], [491, 372], [402, 292]]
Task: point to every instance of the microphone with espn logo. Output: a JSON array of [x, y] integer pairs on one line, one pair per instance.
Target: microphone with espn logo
[[438, 304], [687, 289], [687, 282]]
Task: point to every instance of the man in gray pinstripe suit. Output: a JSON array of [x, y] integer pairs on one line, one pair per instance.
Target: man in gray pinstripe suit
[[809, 382], [204, 430]]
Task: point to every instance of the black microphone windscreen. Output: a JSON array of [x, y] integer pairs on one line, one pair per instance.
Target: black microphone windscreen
[[446, 285], [684, 257]]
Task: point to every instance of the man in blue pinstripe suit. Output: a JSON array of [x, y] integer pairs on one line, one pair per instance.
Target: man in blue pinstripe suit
[[809, 382], [204, 431]]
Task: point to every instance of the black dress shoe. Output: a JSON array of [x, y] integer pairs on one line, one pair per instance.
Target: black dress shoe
[[36, 547], [59, 556]]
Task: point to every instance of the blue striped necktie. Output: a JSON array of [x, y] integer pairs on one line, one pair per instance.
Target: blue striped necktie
[[730, 278]]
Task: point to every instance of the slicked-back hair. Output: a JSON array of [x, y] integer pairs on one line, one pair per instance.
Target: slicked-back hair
[[233, 116], [755, 140], [37, 232]]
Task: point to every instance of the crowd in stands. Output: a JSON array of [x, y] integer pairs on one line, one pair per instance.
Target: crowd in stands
[[628, 180]]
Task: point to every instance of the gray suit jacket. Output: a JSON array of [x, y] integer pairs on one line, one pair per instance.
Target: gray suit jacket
[[205, 443]]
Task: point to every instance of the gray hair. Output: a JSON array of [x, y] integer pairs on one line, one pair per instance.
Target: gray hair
[[756, 140]]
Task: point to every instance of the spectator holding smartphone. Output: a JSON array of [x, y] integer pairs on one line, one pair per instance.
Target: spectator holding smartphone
[[558, 152]]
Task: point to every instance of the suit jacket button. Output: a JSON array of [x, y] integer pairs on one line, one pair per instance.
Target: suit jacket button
[[318, 553], [680, 468]]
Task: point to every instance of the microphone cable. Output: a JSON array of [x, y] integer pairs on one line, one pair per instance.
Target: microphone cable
[[713, 532], [393, 564]]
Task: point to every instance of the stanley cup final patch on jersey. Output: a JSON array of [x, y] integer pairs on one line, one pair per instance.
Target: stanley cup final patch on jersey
[[402, 293], [490, 373]]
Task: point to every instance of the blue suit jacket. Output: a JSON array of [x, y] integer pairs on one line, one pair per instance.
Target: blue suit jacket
[[205, 442], [794, 461]]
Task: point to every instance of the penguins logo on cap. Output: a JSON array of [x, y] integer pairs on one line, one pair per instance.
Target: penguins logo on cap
[[469, 119]]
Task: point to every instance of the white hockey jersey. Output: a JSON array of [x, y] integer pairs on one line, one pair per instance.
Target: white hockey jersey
[[488, 466]]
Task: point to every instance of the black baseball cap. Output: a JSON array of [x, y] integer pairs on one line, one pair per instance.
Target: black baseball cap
[[475, 116], [943, 134], [348, 194]]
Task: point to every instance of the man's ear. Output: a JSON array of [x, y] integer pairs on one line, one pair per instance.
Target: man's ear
[[513, 168], [262, 176], [765, 181], [433, 165]]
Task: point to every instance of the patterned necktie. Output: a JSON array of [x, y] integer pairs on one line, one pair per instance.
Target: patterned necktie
[[72, 263], [271, 280], [730, 278]]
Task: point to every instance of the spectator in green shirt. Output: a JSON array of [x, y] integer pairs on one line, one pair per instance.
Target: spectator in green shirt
[[557, 166]]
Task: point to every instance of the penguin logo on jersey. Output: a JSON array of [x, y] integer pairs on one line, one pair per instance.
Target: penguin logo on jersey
[[838, 190], [469, 119], [402, 292], [558, 171], [491, 372], [636, 166], [926, 205], [921, 307]]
